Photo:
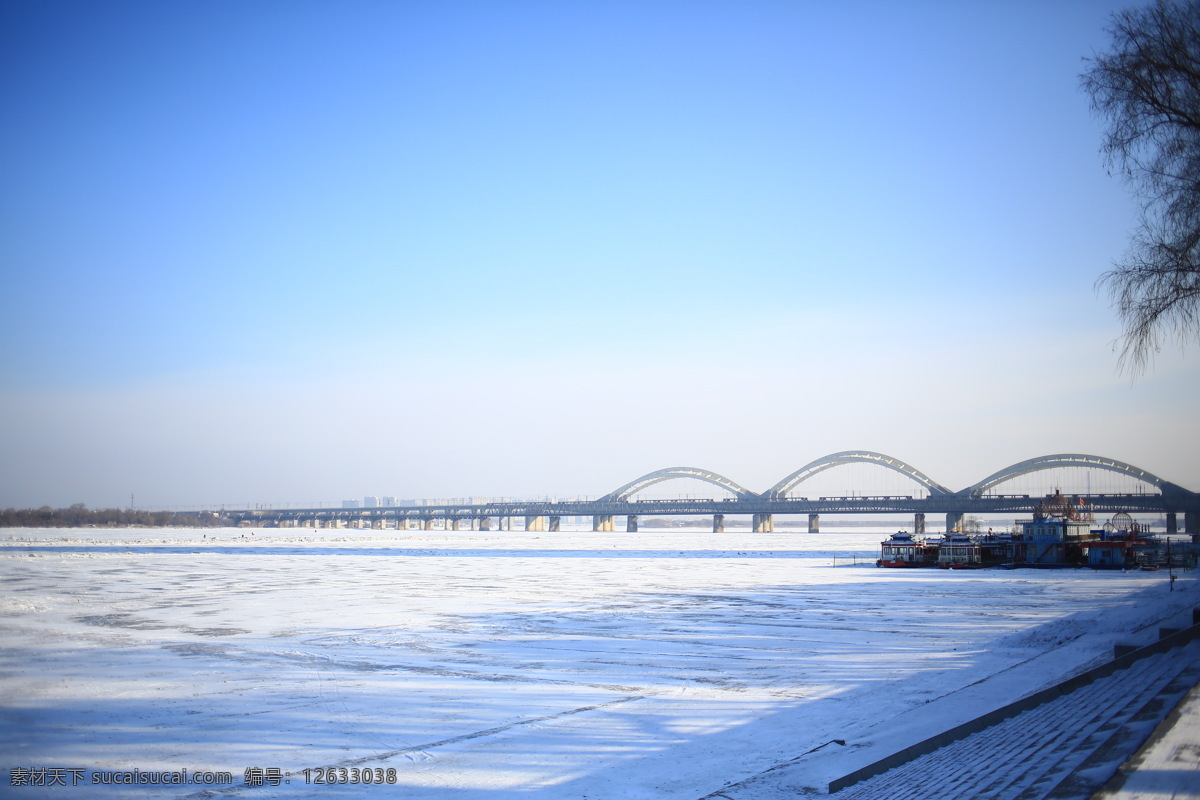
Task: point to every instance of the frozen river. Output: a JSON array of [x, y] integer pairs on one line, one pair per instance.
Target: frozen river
[[492, 665]]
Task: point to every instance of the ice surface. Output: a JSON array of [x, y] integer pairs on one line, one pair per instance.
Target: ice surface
[[510, 664]]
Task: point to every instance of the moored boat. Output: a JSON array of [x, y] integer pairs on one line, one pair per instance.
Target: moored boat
[[959, 551], [902, 550]]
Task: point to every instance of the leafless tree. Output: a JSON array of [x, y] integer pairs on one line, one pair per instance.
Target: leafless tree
[[1147, 88]]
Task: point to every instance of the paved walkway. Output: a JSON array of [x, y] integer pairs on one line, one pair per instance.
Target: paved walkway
[[1065, 749], [1168, 765]]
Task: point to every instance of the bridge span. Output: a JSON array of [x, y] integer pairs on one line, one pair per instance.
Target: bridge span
[[929, 498]]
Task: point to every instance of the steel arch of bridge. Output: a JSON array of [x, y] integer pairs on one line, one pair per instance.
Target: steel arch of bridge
[[1065, 460], [779, 491], [649, 479]]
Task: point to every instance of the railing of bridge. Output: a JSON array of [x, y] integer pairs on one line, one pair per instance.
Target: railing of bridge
[[933, 494], [853, 504]]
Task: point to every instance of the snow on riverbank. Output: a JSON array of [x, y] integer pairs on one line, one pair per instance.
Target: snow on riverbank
[[486, 665]]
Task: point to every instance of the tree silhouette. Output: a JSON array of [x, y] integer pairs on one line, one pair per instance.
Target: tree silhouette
[[1147, 88]]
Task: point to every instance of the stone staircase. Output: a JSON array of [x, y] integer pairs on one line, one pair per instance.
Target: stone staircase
[[1061, 744]]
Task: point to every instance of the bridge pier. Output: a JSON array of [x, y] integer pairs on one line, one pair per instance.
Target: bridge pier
[[1191, 523], [954, 521], [1172, 523], [485, 523], [427, 524], [555, 524], [602, 523], [534, 522], [814, 523], [919, 523], [631, 523], [764, 523], [718, 523]]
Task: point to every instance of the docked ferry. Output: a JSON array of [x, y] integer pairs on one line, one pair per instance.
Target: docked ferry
[[902, 550], [959, 551]]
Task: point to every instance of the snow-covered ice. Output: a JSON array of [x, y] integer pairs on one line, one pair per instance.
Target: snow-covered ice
[[659, 664]]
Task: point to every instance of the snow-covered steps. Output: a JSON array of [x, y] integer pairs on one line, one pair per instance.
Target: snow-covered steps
[[1168, 764], [1060, 750]]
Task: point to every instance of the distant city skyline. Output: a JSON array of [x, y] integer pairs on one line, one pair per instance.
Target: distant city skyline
[[277, 252]]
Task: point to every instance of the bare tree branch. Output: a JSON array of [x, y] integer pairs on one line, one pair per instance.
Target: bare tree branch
[[1148, 90]]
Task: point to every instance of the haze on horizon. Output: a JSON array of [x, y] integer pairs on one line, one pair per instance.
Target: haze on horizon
[[288, 253]]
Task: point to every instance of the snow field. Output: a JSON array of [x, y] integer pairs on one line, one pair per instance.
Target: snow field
[[497, 664]]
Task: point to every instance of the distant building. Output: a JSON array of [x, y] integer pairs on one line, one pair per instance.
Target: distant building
[[389, 501], [350, 504], [1059, 531], [370, 501]]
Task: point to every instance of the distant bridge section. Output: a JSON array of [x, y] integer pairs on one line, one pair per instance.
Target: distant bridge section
[[781, 489], [672, 473], [1071, 460], [977, 499]]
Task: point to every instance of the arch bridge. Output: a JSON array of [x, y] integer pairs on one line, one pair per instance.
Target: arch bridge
[[1167, 498]]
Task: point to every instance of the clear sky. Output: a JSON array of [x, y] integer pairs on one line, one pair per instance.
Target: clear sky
[[281, 252]]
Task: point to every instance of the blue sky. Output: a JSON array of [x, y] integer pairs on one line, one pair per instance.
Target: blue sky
[[285, 252]]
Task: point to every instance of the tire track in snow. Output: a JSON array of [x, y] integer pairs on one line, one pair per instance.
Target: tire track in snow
[[422, 749], [305, 658]]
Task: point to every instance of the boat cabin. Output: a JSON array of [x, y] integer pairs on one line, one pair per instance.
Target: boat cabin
[[902, 550], [1058, 532], [957, 550]]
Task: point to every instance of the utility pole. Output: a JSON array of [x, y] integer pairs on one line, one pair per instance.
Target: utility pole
[[1170, 568]]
